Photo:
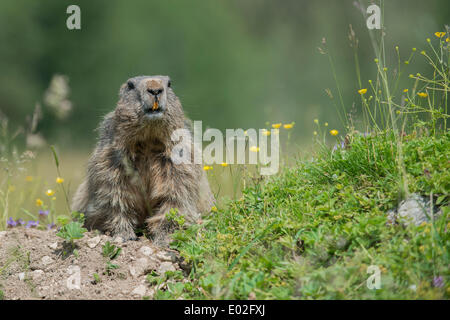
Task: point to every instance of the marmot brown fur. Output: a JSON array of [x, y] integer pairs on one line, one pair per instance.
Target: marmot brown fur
[[131, 179]]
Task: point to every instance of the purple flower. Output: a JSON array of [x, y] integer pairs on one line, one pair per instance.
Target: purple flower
[[438, 282], [43, 213], [51, 226], [11, 223], [20, 222], [340, 145], [32, 224]]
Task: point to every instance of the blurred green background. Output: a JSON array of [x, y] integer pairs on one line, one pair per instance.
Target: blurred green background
[[234, 63]]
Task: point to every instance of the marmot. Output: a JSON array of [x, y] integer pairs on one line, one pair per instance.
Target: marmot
[[131, 179]]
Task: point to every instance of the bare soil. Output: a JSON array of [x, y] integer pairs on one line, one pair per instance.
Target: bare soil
[[36, 264]]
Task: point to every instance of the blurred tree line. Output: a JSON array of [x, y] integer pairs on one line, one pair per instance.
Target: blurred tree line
[[234, 63]]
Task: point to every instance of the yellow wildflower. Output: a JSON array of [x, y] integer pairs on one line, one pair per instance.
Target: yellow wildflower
[[316, 121], [337, 217], [224, 164], [385, 69], [266, 132], [405, 90], [50, 192], [326, 124], [28, 178], [414, 49], [334, 132], [276, 125], [59, 180], [439, 34], [428, 40], [254, 149], [39, 202], [206, 168], [214, 209], [362, 91], [315, 133], [447, 40], [376, 60], [289, 126], [422, 94]]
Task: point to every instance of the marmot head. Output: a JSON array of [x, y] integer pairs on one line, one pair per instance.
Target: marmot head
[[148, 106]]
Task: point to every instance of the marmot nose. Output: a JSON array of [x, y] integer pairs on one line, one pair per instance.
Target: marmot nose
[[155, 92]]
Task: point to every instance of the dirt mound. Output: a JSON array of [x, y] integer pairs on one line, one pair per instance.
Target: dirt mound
[[37, 264]]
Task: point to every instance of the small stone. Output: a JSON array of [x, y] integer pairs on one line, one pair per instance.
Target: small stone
[[42, 292], [93, 242], [141, 266], [413, 210], [165, 256], [165, 266], [21, 276], [146, 251], [53, 245], [139, 290], [46, 260], [118, 240], [37, 274], [2, 234]]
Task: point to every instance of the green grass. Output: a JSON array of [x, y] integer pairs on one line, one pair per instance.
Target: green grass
[[312, 231]]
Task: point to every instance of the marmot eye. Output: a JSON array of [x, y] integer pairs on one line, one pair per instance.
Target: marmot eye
[[130, 85], [169, 84]]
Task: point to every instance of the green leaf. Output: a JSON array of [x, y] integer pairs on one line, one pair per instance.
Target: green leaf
[[55, 156]]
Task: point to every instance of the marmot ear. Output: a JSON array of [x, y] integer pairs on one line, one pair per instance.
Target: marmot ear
[[169, 84], [130, 85]]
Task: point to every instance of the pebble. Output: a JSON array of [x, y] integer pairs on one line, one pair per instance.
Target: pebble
[[165, 256], [165, 266], [37, 274], [53, 245], [141, 266], [146, 251], [139, 290], [46, 260], [93, 242]]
